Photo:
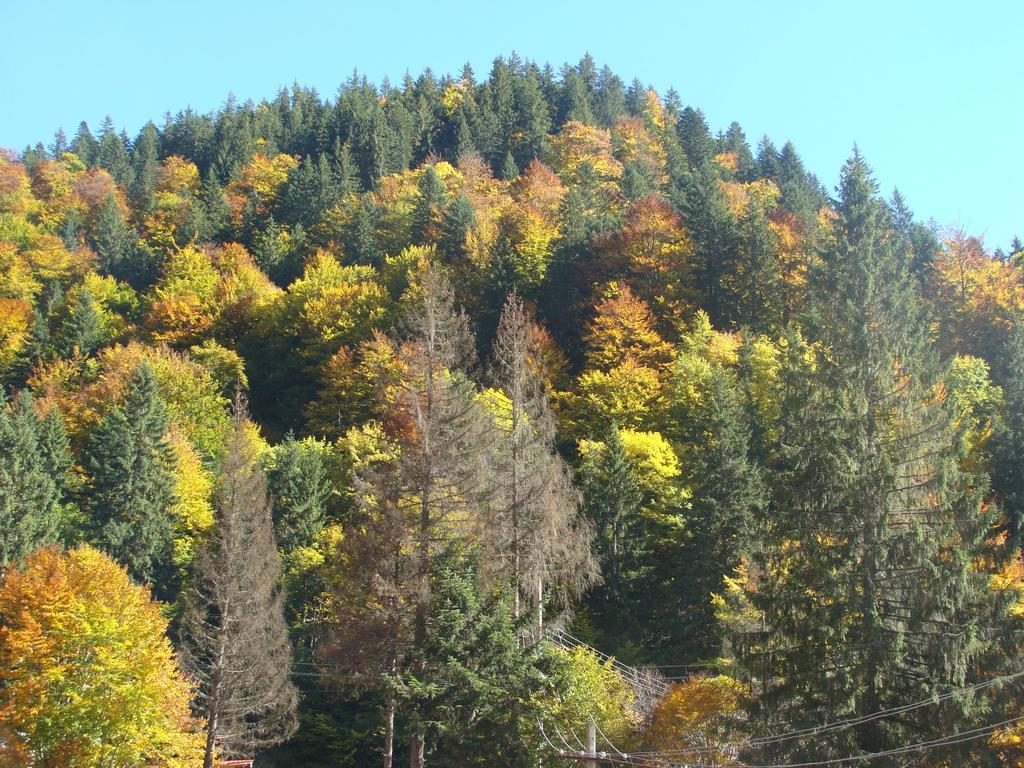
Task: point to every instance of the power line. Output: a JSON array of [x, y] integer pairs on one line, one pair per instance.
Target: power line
[[853, 721]]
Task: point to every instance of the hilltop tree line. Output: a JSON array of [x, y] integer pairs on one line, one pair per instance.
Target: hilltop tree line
[[319, 416]]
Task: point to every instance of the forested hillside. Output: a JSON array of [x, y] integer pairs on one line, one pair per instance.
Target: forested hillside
[[326, 424]]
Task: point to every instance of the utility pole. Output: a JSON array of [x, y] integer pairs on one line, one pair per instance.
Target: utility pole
[[591, 759]]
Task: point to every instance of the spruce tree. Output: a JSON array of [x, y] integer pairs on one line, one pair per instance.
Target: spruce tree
[[509, 169], [131, 493], [727, 494], [234, 638], [866, 575], [612, 498], [1007, 447], [300, 489], [33, 468], [145, 160], [112, 154], [110, 236], [716, 242], [361, 244], [84, 145], [477, 694], [82, 332], [696, 138], [430, 208], [458, 220]]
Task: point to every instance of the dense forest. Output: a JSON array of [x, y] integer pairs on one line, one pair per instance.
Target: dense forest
[[437, 422]]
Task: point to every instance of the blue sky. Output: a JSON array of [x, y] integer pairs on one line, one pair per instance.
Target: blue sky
[[932, 92]]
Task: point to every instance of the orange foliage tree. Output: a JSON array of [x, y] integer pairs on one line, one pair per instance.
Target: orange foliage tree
[[87, 675]]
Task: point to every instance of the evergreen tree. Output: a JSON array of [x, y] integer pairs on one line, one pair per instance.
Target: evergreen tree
[[430, 207], [1007, 450], [758, 293], [82, 332], [476, 697], [346, 173], [575, 101], [112, 154], [233, 634], [459, 220], [60, 144], [735, 141], [84, 144], [727, 494], [716, 243], [300, 489], [309, 192], [696, 138], [609, 101], [533, 122], [33, 469], [216, 213], [144, 160], [768, 160], [361, 245], [866, 571], [131, 492], [110, 237], [509, 169], [611, 499]]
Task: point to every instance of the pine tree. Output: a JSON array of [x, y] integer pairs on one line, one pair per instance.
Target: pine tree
[[533, 532], [131, 492], [234, 638], [866, 571], [33, 470]]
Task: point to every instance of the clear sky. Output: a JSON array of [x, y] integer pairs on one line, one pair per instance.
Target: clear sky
[[931, 91]]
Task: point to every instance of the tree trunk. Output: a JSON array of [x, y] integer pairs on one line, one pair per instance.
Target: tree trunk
[[416, 758], [389, 729]]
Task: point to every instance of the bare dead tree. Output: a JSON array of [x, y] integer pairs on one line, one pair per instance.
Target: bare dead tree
[[532, 530], [445, 442], [234, 639]]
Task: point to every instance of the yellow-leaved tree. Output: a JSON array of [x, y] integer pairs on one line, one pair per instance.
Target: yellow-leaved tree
[[87, 675]]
